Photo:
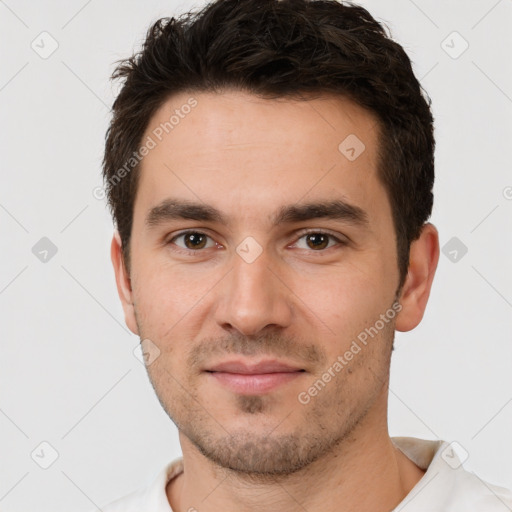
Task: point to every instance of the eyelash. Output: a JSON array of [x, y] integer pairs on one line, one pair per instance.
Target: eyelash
[[302, 235]]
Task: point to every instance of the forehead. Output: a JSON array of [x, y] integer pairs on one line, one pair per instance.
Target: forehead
[[205, 145], [231, 119]]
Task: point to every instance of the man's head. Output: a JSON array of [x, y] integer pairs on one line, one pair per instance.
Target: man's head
[[276, 217]]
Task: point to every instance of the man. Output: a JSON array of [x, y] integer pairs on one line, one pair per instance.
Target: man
[[269, 167]]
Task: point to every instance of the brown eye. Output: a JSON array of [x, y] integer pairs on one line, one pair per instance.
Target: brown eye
[[193, 240], [317, 240]]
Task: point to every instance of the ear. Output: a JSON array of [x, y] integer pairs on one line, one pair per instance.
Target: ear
[[423, 258], [124, 288]]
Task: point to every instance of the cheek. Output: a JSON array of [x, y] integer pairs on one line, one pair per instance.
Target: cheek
[[169, 298], [345, 299], [160, 302]]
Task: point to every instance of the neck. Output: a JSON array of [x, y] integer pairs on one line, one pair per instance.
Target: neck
[[364, 472]]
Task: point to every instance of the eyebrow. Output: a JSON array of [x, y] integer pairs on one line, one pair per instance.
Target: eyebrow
[[173, 209]]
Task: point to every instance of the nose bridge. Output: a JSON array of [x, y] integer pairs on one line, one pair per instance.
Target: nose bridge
[[252, 297]]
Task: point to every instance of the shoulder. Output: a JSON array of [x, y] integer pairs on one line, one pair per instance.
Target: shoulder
[[474, 493], [132, 502], [447, 485], [153, 497]]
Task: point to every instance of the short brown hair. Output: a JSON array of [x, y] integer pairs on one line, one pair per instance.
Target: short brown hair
[[280, 49]]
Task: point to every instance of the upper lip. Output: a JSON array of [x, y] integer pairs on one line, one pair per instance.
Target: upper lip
[[267, 366]]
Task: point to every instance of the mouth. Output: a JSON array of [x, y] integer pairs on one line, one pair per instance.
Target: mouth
[[244, 377]]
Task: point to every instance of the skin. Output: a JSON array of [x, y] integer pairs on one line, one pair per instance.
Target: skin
[[297, 303]]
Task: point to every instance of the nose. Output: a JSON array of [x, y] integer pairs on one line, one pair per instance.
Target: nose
[[252, 297]]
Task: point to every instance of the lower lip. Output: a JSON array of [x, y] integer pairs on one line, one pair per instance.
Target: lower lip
[[254, 383]]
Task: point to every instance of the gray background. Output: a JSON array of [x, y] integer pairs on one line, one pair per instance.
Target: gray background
[[68, 373]]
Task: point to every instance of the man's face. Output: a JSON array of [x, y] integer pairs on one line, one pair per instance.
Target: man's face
[[272, 282]]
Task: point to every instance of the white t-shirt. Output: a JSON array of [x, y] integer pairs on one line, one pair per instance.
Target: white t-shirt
[[445, 487]]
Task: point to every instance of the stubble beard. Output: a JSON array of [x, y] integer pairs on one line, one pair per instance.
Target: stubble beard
[[265, 456]]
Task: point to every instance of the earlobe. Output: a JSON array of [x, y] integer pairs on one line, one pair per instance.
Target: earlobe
[[123, 282], [423, 258]]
